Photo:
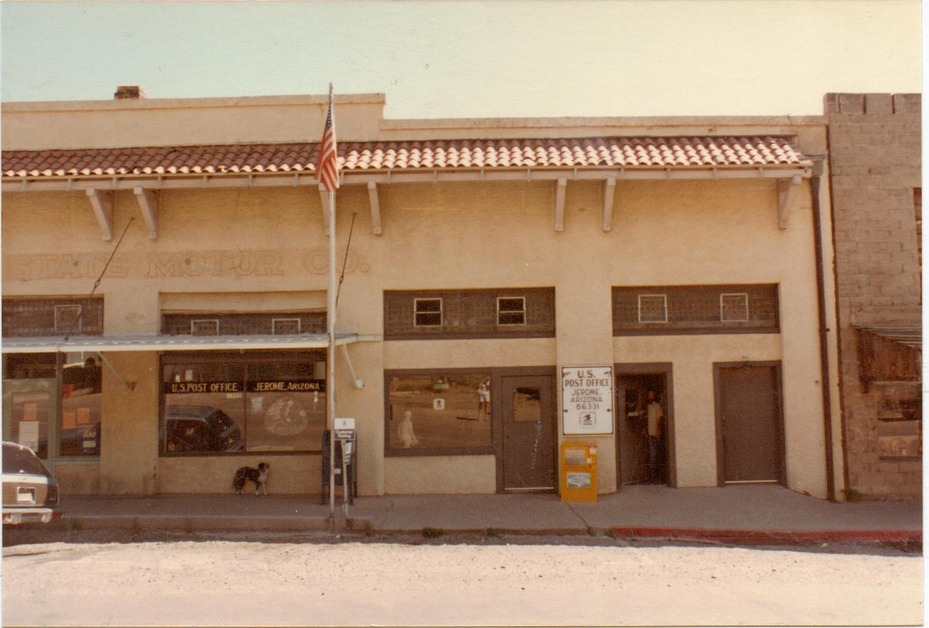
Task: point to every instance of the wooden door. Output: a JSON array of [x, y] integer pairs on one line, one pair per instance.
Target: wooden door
[[529, 439], [750, 424]]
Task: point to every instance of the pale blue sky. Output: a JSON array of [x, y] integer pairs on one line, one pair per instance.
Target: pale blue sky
[[464, 59]]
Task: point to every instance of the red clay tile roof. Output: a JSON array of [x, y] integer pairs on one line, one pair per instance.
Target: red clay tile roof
[[360, 157]]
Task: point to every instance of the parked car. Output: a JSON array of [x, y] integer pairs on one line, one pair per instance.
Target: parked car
[[30, 492]]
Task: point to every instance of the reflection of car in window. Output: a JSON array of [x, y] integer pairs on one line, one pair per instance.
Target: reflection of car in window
[[81, 396], [201, 428], [30, 492], [83, 440]]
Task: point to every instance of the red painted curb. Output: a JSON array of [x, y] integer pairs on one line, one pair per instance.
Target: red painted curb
[[769, 536]]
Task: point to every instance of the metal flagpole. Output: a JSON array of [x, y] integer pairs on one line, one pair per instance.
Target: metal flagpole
[[330, 386], [327, 172]]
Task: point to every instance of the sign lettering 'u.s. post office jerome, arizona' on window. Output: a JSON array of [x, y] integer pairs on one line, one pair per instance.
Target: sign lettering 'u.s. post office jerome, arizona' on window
[[587, 399]]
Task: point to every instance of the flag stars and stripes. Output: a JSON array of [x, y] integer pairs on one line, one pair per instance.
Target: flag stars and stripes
[[327, 169]]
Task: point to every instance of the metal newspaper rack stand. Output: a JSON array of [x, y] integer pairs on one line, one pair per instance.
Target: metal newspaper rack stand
[[345, 448]]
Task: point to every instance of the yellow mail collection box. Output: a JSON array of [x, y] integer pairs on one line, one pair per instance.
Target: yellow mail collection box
[[578, 472]]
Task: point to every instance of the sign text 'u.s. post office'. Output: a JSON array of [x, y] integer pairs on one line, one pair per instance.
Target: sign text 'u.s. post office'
[[587, 399]]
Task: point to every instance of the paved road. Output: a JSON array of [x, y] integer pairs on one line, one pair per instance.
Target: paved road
[[494, 582]]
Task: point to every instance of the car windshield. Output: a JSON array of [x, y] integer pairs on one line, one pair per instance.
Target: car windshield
[[18, 459]]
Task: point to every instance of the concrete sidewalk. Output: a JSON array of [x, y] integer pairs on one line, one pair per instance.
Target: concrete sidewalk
[[737, 513]]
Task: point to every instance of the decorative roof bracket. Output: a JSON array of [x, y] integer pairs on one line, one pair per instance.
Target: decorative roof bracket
[[148, 204], [102, 203], [786, 194], [375, 207], [559, 204], [609, 193]]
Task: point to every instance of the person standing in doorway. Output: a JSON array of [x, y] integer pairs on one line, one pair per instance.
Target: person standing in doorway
[[655, 426]]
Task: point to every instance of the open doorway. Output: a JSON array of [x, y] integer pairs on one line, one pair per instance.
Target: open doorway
[[642, 446]]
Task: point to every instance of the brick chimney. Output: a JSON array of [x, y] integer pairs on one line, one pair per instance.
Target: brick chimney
[[124, 92]]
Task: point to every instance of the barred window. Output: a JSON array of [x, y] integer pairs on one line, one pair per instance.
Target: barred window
[[696, 309], [213, 324], [480, 313], [24, 317]]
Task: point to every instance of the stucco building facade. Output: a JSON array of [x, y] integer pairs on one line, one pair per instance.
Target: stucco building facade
[[165, 278]]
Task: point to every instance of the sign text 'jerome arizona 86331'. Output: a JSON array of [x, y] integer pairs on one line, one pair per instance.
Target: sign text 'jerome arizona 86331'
[[587, 399]]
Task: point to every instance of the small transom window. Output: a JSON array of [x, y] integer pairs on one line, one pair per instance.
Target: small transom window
[[204, 327], [428, 312], [511, 310], [733, 307], [653, 308], [285, 326], [67, 319]]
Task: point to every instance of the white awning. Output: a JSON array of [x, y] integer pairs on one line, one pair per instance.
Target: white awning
[[154, 342]]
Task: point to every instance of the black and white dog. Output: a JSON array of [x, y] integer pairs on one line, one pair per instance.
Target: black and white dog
[[248, 474]]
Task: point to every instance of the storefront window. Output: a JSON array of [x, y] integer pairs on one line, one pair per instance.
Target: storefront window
[[81, 393], [30, 420], [439, 413], [221, 404], [76, 419]]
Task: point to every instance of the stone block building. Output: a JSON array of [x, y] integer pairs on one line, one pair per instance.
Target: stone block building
[[875, 163]]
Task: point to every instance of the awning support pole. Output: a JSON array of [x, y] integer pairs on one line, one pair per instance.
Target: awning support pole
[[122, 380], [359, 384]]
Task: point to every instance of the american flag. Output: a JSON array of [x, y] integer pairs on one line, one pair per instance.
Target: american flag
[[327, 168]]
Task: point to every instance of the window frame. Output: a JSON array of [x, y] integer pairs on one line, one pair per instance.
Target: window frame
[[194, 323], [722, 307], [417, 312], [664, 308], [246, 359], [75, 326], [521, 312], [80, 374], [436, 373], [275, 321]]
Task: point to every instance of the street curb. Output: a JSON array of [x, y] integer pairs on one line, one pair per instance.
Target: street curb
[[199, 523], [771, 536], [232, 523]]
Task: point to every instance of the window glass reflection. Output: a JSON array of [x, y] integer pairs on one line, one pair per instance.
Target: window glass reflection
[[224, 406], [81, 395], [439, 411]]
